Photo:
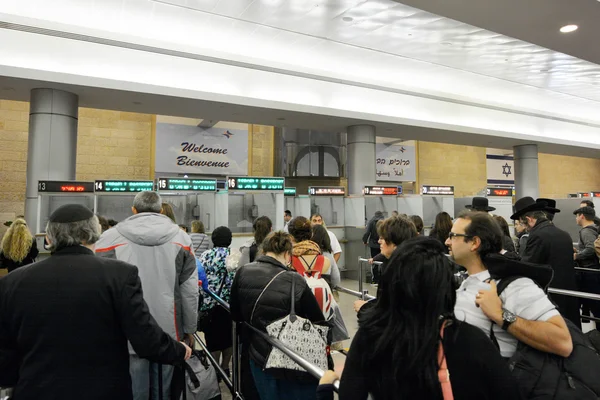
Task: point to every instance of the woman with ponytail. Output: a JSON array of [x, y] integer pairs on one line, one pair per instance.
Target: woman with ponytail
[[397, 353], [18, 246]]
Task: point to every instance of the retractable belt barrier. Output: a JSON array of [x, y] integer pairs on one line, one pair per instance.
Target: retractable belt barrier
[[363, 294], [235, 384]]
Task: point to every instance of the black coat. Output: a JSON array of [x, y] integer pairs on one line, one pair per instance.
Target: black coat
[[64, 326], [371, 237], [11, 265], [274, 304], [552, 246]]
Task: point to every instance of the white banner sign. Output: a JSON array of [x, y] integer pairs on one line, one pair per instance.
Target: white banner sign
[[500, 170], [193, 150], [396, 163]]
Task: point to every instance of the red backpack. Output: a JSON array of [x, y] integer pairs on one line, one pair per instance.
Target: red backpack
[[312, 273]]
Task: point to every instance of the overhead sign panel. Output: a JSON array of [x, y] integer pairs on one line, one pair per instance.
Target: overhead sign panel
[[381, 190], [327, 191], [437, 190], [289, 191], [65, 187], [255, 183], [187, 185], [123, 186]]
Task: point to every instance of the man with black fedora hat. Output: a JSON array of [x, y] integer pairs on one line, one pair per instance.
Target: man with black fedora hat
[[66, 320], [547, 244], [480, 204], [550, 209]]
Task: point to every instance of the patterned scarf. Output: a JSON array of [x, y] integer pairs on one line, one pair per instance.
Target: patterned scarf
[[306, 248]]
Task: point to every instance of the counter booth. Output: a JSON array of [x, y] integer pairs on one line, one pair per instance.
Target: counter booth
[[114, 198], [299, 205], [52, 195], [191, 199], [499, 198], [248, 198], [432, 201]]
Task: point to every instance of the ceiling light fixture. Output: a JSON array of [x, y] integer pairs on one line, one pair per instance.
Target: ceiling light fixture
[[569, 28], [347, 19]]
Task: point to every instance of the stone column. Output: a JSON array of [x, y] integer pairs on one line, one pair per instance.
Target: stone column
[[361, 158], [527, 182], [52, 147]]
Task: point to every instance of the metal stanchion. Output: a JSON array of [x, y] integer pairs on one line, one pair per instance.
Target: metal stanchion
[[586, 269], [236, 370]]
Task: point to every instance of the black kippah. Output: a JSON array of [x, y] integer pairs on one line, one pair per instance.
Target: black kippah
[[71, 213]]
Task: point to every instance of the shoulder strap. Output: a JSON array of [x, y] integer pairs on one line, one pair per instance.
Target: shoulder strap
[[261, 293], [197, 247], [443, 373], [503, 284], [308, 270], [293, 299]]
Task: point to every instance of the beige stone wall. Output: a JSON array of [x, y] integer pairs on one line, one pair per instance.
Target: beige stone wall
[[14, 125], [114, 145], [560, 175], [261, 142], [464, 167]]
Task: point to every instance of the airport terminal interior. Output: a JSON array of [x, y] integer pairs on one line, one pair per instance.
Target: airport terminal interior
[[359, 115]]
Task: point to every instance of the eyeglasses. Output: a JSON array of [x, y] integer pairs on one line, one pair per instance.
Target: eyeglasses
[[453, 235]]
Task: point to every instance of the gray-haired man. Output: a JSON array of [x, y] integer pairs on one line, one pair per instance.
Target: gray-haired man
[[169, 278], [66, 320]]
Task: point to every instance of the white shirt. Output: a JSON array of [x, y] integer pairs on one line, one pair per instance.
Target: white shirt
[[335, 244], [285, 227], [523, 297]]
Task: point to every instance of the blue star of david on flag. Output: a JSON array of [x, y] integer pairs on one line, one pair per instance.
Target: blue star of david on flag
[[506, 170]]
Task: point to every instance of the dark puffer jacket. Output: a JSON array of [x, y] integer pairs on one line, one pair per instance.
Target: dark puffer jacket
[[274, 304]]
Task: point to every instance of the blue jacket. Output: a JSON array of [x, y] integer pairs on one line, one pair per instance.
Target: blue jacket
[[202, 275]]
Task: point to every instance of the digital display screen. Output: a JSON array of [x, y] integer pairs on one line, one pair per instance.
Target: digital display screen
[[65, 187], [289, 191], [123, 186], [437, 190], [187, 185], [595, 194], [255, 183], [327, 191], [500, 192], [381, 190], [583, 194]]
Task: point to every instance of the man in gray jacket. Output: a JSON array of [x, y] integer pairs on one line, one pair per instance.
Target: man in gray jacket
[[167, 268]]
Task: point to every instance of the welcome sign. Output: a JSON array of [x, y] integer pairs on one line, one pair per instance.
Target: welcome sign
[[193, 150], [395, 163]]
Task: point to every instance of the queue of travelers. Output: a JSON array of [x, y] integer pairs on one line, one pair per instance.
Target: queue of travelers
[[411, 339]]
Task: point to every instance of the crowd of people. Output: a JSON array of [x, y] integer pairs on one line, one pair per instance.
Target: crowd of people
[[113, 311]]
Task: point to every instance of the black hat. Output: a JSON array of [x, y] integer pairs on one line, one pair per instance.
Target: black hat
[[221, 236], [587, 211], [551, 205], [71, 213], [480, 204], [527, 204]]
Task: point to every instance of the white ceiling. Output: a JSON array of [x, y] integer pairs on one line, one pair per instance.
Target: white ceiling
[[393, 28]]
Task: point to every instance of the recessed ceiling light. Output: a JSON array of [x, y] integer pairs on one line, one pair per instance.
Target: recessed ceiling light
[[569, 28], [347, 19]]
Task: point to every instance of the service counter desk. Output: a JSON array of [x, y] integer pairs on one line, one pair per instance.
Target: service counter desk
[[499, 198], [299, 205], [53, 194], [432, 201], [114, 199], [192, 199], [251, 197], [328, 201]]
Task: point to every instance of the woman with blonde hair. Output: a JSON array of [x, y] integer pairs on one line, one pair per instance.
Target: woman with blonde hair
[[18, 246]]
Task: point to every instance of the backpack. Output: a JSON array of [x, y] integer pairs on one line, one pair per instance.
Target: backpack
[[312, 274], [542, 375]]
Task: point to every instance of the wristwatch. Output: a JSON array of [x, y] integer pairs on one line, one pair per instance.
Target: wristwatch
[[508, 318]]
